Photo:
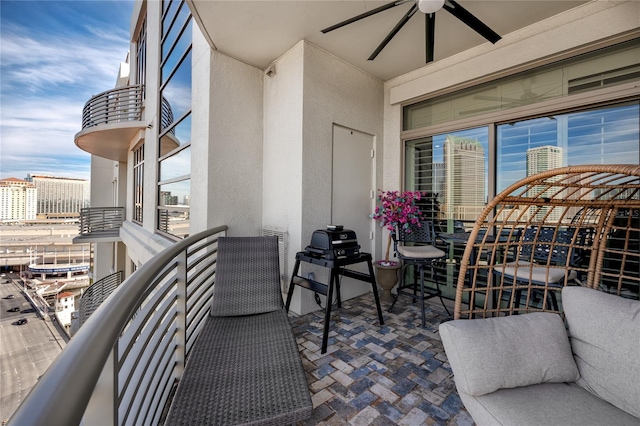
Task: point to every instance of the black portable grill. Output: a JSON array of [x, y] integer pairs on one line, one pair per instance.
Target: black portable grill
[[334, 243]]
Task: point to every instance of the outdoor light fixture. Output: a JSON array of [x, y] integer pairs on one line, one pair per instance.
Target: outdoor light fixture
[[430, 6]]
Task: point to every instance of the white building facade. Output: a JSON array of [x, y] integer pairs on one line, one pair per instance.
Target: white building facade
[[220, 141], [60, 195], [18, 200]]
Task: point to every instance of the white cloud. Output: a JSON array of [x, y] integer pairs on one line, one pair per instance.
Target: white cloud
[[45, 84]]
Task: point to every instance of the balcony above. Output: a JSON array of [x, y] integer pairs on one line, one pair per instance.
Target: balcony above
[[100, 225], [110, 120]]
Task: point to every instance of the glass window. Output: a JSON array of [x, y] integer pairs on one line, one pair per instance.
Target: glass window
[[454, 168], [173, 211], [175, 166], [141, 54], [177, 91], [600, 136], [138, 183], [601, 68], [171, 39]]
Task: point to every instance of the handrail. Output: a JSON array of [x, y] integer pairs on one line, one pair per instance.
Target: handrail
[[96, 294], [137, 341]]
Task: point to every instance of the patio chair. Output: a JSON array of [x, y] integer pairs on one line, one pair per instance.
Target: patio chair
[[415, 247], [245, 367], [545, 258], [580, 223]]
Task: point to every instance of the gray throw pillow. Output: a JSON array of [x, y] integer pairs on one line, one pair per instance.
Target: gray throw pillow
[[507, 352], [605, 337]]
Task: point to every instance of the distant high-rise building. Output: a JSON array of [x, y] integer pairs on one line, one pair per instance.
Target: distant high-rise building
[[18, 200], [544, 158], [540, 160], [60, 195], [464, 184], [438, 180]]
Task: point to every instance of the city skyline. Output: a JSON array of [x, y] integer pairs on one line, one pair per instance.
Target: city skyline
[[54, 57]]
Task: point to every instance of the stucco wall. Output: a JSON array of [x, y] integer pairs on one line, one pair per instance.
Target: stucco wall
[[226, 152], [310, 91]]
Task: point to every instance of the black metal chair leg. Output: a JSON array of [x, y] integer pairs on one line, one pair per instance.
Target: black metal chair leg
[[435, 278], [421, 269]]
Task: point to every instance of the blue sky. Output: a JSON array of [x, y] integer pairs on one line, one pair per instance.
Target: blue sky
[[54, 55]]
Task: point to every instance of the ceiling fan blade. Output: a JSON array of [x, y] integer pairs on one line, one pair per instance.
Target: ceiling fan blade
[[430, 32], [474, 23], [364, 15], [394, 31]]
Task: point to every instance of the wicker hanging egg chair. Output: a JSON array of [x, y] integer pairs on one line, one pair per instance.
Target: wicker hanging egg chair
[[576, 225]]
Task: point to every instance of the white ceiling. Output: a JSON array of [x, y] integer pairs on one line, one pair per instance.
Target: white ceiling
[[259, 31]]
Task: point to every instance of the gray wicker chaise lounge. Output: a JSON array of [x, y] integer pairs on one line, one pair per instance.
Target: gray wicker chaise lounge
[[245, 367]]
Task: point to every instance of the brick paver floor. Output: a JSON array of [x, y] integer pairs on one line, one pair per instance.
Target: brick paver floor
[[395, 374]]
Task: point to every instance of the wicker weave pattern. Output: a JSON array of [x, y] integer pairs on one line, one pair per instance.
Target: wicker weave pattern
[[578, 221], [244, 368], [247, 277]]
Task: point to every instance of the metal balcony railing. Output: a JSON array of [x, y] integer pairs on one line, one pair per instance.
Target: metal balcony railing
[[121, 366], [96, 294], [101, 222], [114, 106]]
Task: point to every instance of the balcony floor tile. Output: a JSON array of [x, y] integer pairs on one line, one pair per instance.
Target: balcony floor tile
[[395, 374]]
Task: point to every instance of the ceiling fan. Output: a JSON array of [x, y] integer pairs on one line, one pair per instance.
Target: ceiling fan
[[429, 8]]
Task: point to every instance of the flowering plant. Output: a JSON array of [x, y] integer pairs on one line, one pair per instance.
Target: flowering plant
[[398, 209]]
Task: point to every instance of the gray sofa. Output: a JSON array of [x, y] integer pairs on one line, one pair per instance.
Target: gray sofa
[[530, 370]]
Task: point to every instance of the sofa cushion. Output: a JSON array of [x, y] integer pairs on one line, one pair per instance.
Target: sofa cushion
[[505, 352], [606, 345], [548, 404]]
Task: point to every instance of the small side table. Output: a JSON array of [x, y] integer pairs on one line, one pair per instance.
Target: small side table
[[337, 269]]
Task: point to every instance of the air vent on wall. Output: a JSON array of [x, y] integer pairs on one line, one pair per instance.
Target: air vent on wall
[[282, 253]]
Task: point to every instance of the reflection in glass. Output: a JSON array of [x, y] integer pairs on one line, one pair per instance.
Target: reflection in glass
[[608, 67], [176, 166], [177, 91], [453, 166], [177, 53], [183, 131], [176, 26], [174, 222], [173, 211], [602, 136]]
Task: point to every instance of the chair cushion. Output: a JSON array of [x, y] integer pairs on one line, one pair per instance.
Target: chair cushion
[[538, 273], [604, 331], [506, 352], [548, 404], [420, 252]]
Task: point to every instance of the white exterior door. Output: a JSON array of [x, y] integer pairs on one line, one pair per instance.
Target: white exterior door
[[352, 189]]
